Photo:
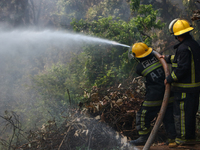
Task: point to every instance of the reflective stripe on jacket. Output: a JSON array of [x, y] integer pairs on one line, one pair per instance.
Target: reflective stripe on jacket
[[185, 75], [150, 68]]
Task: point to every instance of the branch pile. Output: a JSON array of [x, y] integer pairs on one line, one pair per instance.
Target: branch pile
[[77, 132], [117, 107], [106, 120]]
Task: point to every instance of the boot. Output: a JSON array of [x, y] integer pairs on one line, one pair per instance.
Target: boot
[[140, 141], [185, 143], [173, 145]]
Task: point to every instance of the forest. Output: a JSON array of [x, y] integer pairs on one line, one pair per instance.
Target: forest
[[66, 80]]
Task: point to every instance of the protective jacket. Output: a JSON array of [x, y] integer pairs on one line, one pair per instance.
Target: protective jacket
[[185, 75], [152, 70]]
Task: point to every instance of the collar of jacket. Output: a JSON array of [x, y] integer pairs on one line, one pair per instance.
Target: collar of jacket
[[147, 57], [177, 45]]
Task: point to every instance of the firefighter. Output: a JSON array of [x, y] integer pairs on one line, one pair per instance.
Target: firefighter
[[185, 81], [150, 68]]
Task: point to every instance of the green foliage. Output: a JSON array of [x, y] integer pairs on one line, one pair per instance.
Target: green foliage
[[90, 10], [14, 12], [52, 88], [167, 11], [54, 83], [146, 21], [135, 4], [69, 9], [107, 66], [116, 30], [102, 67], [106, 8]]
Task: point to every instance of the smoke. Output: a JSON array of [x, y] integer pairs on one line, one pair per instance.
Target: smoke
[[178, 3], [28, 52], [36, 41], [19, 55]]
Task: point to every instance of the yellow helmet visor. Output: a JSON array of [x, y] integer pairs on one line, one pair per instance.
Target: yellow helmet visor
[[183, 31]]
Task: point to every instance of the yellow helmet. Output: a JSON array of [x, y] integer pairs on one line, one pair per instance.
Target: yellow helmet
[[179, 27], [141, 50]]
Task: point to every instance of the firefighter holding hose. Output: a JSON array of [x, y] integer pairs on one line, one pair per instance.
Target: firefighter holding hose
[[150, 68], [185, 81]]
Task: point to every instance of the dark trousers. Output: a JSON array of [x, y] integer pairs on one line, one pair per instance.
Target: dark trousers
[[146, 114], [185, 109]]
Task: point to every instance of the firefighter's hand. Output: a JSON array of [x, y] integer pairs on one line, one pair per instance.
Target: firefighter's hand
[[162, 56], [165, 81]]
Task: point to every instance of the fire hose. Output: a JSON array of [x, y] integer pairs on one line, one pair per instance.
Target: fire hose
[[163, 106]]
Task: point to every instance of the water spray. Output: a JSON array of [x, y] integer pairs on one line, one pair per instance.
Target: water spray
[[130, 54], [116, 43]]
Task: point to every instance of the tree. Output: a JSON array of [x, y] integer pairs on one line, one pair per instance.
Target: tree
[[41, 12], [114, 67], [192, 6], [14, 12], [167, 11], [69, 9], [114, 8], [25, 13]]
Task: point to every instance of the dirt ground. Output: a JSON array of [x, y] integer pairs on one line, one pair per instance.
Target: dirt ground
[[165, 147]]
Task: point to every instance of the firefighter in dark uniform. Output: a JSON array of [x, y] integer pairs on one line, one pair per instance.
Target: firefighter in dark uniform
[[185, 81], [150, 68]]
